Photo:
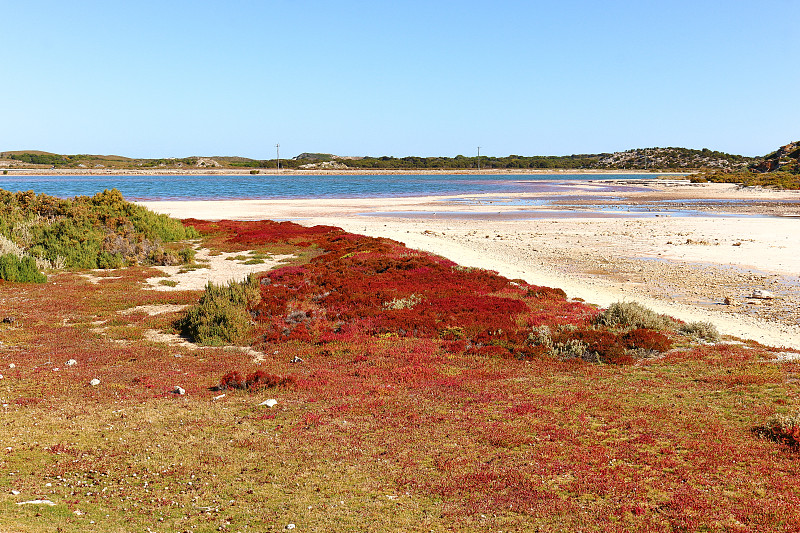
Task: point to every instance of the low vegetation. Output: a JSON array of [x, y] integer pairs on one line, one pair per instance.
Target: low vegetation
[[103, 231], [775, 180], [373, 387]]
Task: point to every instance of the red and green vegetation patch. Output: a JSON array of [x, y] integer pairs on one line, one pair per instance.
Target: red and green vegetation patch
[[397, 409]]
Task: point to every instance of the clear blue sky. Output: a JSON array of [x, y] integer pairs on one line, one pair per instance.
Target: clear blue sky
[[176, 78]]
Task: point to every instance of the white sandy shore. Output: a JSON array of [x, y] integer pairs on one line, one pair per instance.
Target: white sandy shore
[[682, 266]]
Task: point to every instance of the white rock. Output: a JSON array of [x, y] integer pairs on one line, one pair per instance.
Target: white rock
[[12, 365], [179, 390], [36, 502], [71, 362], [95, 382], [290, 526], [762, 294], [15, 492], [269, 403], [221, 396]]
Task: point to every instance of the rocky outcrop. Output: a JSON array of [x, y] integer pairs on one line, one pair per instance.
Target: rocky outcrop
[[785, 158]]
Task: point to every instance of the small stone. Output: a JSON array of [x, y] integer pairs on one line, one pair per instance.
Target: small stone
[[729, 301], [180, 391], [269, 403], [290, 526], [15, 492], [221, 396], [12, 365], [95, 382], [296, 359], [762, 294], [71, 362]]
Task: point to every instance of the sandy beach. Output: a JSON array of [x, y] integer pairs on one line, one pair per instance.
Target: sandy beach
[[679, 248]]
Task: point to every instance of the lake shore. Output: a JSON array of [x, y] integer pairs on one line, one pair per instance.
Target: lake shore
[[322, 172], [678, 248]]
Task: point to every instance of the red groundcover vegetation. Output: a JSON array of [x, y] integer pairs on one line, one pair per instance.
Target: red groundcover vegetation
[[442, 376], [360, 286]]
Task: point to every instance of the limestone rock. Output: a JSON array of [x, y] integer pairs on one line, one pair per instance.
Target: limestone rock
[[762, 294]]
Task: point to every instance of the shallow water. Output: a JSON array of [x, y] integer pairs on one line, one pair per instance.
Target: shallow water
[[282, 186]]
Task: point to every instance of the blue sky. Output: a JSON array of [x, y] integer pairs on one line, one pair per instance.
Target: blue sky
[[177, 78]]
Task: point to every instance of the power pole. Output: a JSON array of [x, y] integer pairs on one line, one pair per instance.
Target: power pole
[[479, 158], [278, 153]]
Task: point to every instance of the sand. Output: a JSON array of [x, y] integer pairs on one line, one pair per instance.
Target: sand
[[601, 241]]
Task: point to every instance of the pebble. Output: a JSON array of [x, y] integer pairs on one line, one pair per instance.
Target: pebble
[[179, 391], [12, 365], [71, 362], [290, 526], [95, 382], [269, 403], [221, 396]]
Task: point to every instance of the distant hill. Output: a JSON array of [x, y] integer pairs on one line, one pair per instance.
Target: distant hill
[[673, 158], [779, 169], [652, 159]]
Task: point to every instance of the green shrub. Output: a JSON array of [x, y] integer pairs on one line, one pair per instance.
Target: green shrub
[[186, 255], [633, 315], [109, 260], [221, 316], [24, 270], [88, 232]]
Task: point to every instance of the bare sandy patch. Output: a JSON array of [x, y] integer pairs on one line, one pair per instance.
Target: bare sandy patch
[[170, 339], [218, 269], [153, 310], [93, 278], [177, 341]]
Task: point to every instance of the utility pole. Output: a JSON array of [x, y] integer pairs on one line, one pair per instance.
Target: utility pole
[[278, 153], [479, 158]]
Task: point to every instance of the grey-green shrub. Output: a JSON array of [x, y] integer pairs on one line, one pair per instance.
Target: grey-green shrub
[[634, 315], [700, 330], [221, 316]]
